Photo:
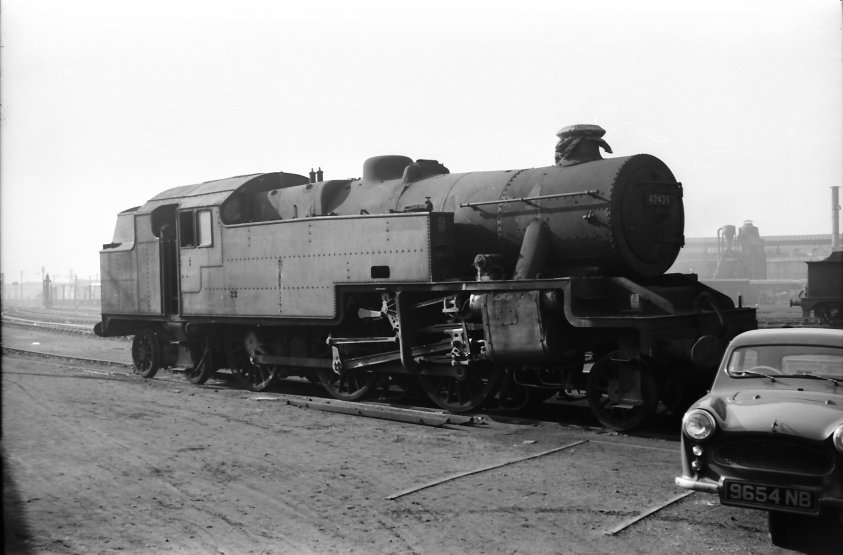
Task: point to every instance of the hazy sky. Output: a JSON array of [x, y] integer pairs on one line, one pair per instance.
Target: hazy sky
[[107, 103]]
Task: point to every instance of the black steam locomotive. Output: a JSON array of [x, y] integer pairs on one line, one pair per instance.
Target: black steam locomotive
[[507, 285]]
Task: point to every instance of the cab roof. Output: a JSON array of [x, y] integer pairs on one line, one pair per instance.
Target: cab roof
[[214, 193]]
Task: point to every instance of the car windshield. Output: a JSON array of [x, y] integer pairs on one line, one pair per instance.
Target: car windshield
[[787, 360]]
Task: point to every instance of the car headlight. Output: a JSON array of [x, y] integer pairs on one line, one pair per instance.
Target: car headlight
[[837, 437], [698, 424]]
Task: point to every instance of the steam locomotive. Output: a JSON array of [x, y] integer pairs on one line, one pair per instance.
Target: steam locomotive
[[498, 285]]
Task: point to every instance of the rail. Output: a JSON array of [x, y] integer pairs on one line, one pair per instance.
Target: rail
[[423, 417], [62, 327]]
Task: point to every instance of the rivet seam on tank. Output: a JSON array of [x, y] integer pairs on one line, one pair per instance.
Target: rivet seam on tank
[[504, 195], [610, 191]]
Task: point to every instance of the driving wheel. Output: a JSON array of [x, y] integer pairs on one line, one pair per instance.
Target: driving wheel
[[622, 394], [241, 349], [463, 393], [514, 397], [348, 386]]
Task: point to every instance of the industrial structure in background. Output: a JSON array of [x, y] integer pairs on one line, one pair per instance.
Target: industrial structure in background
[[48, 292], [741, 256], [774, 269]]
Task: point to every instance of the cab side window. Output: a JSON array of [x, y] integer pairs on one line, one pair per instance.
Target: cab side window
[[204, 238], [187, 237], [195, 229]]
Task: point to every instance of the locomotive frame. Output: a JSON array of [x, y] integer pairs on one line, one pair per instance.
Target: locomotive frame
[[508, 285]]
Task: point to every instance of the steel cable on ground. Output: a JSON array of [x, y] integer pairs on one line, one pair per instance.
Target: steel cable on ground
[[483, 469]]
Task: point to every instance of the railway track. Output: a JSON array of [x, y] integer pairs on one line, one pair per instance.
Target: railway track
[[59, 327], [67, 358], [81, 317], [381, 410], [52, 321]]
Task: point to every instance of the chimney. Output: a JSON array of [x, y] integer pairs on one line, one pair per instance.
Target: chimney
[[580, 143]]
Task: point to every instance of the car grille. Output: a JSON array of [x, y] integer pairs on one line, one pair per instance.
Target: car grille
[[774, 454]]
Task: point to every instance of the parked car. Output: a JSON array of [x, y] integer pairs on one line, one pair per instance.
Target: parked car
[[769, 435]]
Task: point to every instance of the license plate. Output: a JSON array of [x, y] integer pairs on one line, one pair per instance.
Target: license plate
[[764, 496]]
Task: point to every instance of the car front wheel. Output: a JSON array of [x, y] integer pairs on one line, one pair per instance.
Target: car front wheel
[[777, 528]]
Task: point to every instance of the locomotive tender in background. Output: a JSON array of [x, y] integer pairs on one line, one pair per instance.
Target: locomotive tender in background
[[824, 294], [511, 284]]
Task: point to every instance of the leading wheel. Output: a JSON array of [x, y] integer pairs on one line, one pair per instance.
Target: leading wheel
[[241, 348], [622, 395], [463, 393], [146, 353]]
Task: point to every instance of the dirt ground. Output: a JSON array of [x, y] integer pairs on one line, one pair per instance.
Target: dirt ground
[[96, 460]]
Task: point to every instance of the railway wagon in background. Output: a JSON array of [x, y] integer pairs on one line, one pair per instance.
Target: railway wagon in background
[[823, 295], [509, 285]]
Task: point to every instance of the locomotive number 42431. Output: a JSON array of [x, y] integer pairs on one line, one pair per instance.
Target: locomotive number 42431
[[757, 495], [658, 199]]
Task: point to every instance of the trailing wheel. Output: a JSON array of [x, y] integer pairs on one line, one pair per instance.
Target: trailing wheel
[[146, 353], [622, 394], [204, 362], [463, 393], [240, 349]]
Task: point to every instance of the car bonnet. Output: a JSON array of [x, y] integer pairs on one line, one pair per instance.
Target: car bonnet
[[809, 414]]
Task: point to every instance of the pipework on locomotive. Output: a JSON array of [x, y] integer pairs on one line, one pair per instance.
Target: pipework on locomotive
[[494, 286]]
